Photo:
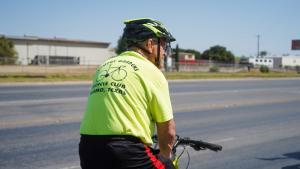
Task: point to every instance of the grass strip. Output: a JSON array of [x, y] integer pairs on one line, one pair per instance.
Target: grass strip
[[169, 76]]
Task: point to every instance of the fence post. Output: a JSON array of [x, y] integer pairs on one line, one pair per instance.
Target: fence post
[[22, 68], [46, 71]]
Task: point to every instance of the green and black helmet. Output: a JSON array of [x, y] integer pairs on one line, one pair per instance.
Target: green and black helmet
[[138, 30]]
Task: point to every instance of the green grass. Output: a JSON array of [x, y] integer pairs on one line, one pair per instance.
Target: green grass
[[205, 75], [169, 75], [43, 78]]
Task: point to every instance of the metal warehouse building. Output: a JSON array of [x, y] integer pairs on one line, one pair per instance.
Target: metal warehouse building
[[59, 51], [291, 61]]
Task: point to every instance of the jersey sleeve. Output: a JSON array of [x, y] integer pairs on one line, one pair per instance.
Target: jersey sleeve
[[160, 104]]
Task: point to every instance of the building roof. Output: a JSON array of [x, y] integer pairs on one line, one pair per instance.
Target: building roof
[[55, 39]]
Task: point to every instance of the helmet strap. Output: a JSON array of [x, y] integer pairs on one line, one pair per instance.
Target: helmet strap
[[157, 59], [142, 48]]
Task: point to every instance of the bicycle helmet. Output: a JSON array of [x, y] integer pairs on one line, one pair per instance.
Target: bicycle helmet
[[138, 30]]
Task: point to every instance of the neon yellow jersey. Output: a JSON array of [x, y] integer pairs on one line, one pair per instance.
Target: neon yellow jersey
[[127, 97]]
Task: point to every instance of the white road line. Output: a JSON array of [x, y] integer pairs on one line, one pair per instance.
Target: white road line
[[17, 91], [41, 101], [223, 140], [55, 83], [183, 108], [279, 90], [71, 167]]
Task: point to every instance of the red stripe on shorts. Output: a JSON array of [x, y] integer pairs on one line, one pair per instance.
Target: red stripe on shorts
[[158, 164]]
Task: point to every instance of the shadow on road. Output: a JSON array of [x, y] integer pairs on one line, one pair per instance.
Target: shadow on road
[[297, 166], [294, 155]]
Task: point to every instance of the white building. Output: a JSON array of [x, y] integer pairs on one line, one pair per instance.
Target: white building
[[184, 56], [290, 61], [258, 61], [37, 50]]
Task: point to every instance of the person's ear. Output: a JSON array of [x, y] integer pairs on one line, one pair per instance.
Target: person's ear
[[150, 45]]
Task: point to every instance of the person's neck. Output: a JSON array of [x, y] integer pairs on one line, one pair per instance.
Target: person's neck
[[143, 53]]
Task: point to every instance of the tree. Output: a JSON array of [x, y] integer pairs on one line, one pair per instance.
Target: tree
[[7, 48], [7, 51], [264, 69], [263, 53], [218, 53]]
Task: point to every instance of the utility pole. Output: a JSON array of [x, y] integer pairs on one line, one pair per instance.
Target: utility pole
[[258, 36], [177, 58]]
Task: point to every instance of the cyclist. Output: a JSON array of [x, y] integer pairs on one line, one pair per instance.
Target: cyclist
[[128, 98]]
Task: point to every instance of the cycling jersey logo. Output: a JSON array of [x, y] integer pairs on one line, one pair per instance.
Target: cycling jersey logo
[[117, 73]]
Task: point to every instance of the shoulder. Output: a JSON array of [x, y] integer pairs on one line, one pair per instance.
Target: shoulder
[[143, 67]]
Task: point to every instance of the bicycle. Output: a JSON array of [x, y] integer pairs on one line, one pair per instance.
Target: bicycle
[[186, 141], [116, 73]]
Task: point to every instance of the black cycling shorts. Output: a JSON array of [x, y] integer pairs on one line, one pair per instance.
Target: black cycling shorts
[[119, 152]]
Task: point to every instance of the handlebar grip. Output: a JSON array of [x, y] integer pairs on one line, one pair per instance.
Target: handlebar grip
[[213, 147], [195, 144], [199, 145]]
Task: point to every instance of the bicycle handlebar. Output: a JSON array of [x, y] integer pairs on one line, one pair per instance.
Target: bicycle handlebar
[[197, 144], [186, 141]]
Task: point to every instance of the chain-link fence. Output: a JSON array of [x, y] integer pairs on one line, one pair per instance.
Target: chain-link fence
[[207, 66], [13, 66], [8, 60], [73, 67]]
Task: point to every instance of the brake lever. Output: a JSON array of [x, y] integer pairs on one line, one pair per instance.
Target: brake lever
[[197, 148]]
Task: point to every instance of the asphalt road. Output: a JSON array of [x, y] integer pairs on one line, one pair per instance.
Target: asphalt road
[[256, 121]]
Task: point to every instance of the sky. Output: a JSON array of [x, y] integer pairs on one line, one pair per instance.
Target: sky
[[196, 24]]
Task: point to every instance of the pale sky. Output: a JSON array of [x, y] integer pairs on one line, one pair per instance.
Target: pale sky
[[196, 24]]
